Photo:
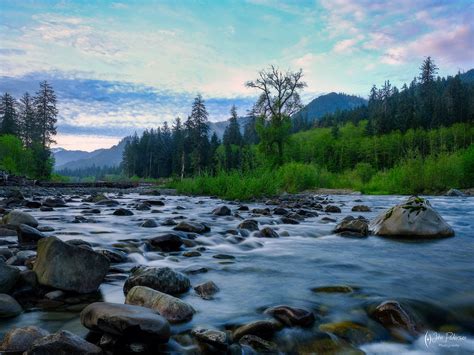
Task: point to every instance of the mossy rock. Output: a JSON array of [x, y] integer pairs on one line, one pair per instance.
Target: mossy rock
[[350, 331]]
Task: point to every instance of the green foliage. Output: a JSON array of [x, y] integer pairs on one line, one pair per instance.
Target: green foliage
[[59, 178], [14, 158]]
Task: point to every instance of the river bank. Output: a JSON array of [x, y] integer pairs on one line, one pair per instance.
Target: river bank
[[330, 284]]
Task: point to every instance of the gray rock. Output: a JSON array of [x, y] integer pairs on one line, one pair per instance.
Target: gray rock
[[332, 209], [122, 212], [414, 218], [221, 211], [28, 234], [68, 267], [249, 224], [161, 279], [211, 336], [21, 339], [63, 342], [361, 208], [172, 308], [114, 256], [258, 344], [260, 328], [16, 217], [9, 307], [292, 316], [206, 290], [350, 226], [8, 277], [455, 193], [149, 223], [392, 316], [108, 203], [54, 202], [166, 243], [267, 232], [192, 227], [125, 320]]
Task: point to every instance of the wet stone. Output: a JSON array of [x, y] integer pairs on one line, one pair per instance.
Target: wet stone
[[57, 343], [361, 208], [249, 224], [211, 336], [258, 344], [261, 328], [28, 234], [149, 223], [206, 290], [21, 339], [122, 212], [292, 316], [221, 211], [168, 242], [161, 279], [192, 227], [332, 209], [267, 232]]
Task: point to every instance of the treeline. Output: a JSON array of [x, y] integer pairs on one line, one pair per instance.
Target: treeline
[[92, 173], [27, 127], [429, 101], [188, 149]]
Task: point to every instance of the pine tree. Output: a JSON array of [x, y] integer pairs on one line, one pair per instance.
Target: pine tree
[[232, 133], [198, 134], [46, 114], [8, 115], [27, 119]]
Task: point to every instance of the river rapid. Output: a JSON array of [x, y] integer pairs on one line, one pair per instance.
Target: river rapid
[[435, 279]]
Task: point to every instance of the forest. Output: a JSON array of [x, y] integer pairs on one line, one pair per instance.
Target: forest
[[409, 140], [27, 127]]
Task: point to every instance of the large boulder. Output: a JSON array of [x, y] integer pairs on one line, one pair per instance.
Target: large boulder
[[16, 217], [63, 342], [125, 320], [292, 316], [69, 267], [412, 218], [9, 307], [161, 279], [221, 211], [394, 317], [8, 277], [21, 339], [172, 308]]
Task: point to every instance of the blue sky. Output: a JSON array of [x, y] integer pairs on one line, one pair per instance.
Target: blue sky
[[121, 66]]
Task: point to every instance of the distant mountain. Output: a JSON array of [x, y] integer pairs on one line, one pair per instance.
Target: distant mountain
[[330, 103], [468, 77], [219, 127], [100, 157], [63, 156]]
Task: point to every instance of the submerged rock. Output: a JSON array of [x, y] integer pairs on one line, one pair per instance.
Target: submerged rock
[[161, 279], [350, 226], [172, 308], [211, 336], [149, 223], [261, 328], [392, 316], [206, 290], [258, 344], [292, 316], [21, 339], [63, 342], [68, 267], [9, 307], [125, 320], [16, 217], [350, 331], [413, 218], [333, 289]]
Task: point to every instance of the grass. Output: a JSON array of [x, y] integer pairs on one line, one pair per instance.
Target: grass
[[433, 174]]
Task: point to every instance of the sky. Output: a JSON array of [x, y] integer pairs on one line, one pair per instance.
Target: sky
[[123, 66]]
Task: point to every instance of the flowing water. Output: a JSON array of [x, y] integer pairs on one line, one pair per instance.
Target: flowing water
[[436, 278]]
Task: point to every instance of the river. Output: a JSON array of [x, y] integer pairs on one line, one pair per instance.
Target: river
[[435, 278]]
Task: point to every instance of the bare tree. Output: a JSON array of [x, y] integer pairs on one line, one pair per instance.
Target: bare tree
[[278, 101]]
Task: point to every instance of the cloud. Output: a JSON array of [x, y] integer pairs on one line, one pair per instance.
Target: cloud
[[11, 52]]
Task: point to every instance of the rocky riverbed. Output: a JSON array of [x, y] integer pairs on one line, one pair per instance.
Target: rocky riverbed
[[136, 271]]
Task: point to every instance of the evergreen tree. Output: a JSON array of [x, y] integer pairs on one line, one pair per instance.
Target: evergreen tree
[[8, 115], [27, 120], [46, 114], [232, 133], [198, 135]]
